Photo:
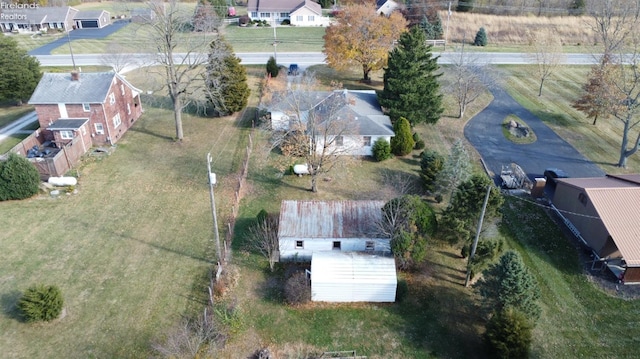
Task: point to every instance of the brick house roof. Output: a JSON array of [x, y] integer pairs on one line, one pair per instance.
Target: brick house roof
[[91, 87], [68, 124]]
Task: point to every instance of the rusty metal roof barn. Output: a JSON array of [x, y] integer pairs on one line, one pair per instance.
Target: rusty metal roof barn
[[329, 219]]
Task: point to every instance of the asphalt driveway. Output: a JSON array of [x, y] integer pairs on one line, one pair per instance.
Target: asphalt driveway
[[80, 34], [484, 131]]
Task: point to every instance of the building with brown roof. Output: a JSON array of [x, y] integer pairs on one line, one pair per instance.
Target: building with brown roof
[[604, 213]]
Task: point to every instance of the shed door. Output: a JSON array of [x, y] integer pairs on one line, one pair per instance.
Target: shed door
[[89, 23]]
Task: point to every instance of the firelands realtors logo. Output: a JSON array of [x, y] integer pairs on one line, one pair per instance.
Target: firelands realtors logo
[[15, 6]]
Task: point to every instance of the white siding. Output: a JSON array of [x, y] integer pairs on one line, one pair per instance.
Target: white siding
[[318, 19], [288, 250], [352, 277]]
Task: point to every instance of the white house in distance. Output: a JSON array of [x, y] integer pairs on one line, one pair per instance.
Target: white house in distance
[[360, 110], [352, 277], [308, 227], [298, 12], [386, 7]]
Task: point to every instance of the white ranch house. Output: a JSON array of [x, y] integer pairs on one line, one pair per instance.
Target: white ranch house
[[359, 110], [308, 227], [298, 12]]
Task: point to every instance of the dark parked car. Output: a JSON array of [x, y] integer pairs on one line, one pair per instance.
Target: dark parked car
[[551, 174], [293, 70]]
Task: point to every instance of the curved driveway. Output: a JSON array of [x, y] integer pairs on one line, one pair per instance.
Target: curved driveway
[[484, 131]]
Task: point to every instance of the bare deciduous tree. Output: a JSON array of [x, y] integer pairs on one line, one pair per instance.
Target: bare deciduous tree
[[117, 58], [182, 54], [323, 119], [192, 338], [613, 21], [546, 51], [466, 82], [263, 237]]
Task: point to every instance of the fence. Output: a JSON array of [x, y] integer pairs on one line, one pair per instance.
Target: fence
[[436, 42], [57, 164]]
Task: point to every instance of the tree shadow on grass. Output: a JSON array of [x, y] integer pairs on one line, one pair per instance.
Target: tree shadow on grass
[[9, 302]]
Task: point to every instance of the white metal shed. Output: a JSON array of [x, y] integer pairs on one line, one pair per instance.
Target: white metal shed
[[352, 277]]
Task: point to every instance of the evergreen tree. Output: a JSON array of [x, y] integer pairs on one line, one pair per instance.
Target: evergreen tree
[[41, 303], [381, 150], [229, 92], [411, 88], [19, 178], [456, 169], [508, 335], [437, 27], [19, 72], [465, 5], [460, 218], [481, 38], [431, 163], [508, 284], [409, 221], [272, 67], [577, 7], [402, 142]]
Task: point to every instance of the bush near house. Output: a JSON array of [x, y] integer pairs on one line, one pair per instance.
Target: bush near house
[[19, 179], [381, 150], [402, 143]]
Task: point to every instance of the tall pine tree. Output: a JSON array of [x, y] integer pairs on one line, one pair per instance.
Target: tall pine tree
[[226, 79], [19, 72], [411, 88]]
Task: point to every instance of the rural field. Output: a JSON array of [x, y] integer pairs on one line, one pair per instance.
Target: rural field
[[132, 250]]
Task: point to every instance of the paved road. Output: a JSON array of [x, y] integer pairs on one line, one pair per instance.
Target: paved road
[[484, 131], [79, 34], [16, 126]]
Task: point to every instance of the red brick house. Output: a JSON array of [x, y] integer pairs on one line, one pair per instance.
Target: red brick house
[[97, 107]]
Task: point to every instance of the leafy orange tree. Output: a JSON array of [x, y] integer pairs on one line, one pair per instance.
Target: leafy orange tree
[[361, 37]]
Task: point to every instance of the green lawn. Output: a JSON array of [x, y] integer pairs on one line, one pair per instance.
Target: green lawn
[[289, 39]]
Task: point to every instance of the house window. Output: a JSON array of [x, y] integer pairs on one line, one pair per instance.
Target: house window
[[284, 14], [265, 14], [128, 109], [366, 141], [312, 18], [254, 14], [299, 244], [122, 89], [339, 141], [66, 135], [112, 98], [299, 18], [336, 245], [86, 107], [116, 120], [99, 129], [369, 246]]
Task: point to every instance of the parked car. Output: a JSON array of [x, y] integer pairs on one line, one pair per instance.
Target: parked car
[[293, 70]]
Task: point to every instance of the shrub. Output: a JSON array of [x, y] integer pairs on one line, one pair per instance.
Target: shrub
[[272, 67], [297, 289], [419, 145], [19, 179], [286, 22], [402, 143], [431, 163], [508, 335], [481, 38], [381, 150], [243, 20], [416, 137], [41, 303]]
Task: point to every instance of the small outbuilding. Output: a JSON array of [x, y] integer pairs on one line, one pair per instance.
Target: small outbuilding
[[352, 277]]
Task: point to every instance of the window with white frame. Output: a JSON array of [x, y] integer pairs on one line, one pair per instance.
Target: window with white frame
[[86, 107], [116, 120], [99, 129], [284, 14], [312, 18], [254, 14], [122, 89], [299, 18], [339, 141], [366, 141], [66, 135], [112, 98], [128, 109], [265, 15], [299, 244], [370, 246]]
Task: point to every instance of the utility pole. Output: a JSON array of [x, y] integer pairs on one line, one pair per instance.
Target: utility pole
[[71, 50], [275, 41], [475, 240], [446, 35], [212, 182]]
